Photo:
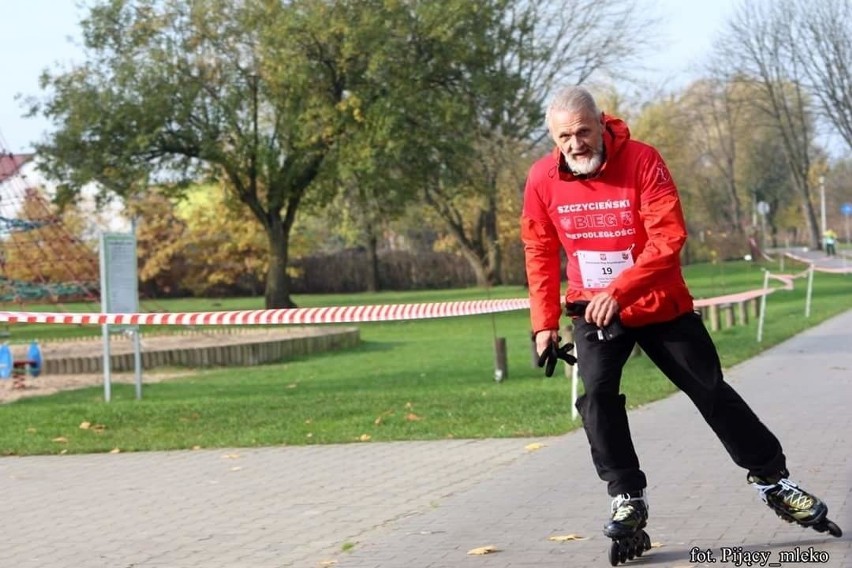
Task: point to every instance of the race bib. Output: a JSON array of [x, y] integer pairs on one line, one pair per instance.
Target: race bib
[[599, 268]]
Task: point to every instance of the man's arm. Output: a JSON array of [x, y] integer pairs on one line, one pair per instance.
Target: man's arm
[[662, 217], [542, 262]]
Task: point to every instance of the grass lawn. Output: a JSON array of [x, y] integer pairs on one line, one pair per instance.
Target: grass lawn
[[428, 379]]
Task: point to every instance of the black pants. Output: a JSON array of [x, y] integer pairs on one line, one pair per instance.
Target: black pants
[[683, 350]]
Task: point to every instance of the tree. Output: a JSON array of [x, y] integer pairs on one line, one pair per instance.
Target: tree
[[764, 175], [715, 110], [413, 113], [760, 46], [161, 243], [269, 99], [723, 157], [370, 189], [529, 49], [251, 94], [223, 252], [824, 52]]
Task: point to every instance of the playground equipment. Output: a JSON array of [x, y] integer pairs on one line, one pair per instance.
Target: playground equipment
[[18, 369], [41, 259]]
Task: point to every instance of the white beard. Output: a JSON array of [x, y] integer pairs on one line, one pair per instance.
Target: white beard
[[584, 167]]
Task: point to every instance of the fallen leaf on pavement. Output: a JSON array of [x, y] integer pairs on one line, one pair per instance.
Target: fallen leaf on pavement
[[566, 537], [482, 550], [534, 446]]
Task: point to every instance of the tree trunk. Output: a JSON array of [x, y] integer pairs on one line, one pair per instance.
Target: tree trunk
[[736, 207], [373, 281], [277, 280], [480, 267], [482, 248], [491, 242], [481, 263], [811, 220]]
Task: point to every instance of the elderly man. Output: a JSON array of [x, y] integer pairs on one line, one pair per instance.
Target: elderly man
[[611, 204]]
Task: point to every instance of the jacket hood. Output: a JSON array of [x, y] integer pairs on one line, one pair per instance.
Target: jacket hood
[[615, 136]]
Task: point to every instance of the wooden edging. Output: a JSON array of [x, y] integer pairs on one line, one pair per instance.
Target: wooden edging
[[225, 355]]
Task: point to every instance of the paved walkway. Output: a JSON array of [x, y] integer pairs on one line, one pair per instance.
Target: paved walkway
[[801, 389], [426, 504]]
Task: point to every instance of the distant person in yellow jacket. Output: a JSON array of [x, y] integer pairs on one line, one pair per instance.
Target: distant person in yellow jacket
[[829, 239]]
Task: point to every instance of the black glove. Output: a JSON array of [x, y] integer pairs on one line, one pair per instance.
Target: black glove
[[552, 352]]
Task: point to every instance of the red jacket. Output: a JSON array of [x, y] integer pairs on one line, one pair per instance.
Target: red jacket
[[629, 212]]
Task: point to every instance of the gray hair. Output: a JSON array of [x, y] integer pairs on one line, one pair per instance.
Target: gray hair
[[574, 98]]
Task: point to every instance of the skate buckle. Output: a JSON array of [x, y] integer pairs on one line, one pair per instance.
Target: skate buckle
[[625, 498]]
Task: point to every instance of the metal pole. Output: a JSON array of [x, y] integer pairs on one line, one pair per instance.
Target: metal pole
[[575, 372], [810, 291], [106, 358], [105, 327], [575, 375], [137, 362], [137, 340], [762, 317], [822, 215]]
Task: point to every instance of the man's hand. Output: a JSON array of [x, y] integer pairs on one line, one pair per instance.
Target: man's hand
[[543, 339], [601, 309], [548, 350]]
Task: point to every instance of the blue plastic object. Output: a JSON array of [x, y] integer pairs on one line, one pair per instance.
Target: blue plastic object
[[6, 362], [35, 359]]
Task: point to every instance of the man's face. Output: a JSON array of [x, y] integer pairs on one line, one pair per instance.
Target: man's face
[[579, 136]]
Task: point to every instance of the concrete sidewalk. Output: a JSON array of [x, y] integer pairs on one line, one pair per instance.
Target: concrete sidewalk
[[426, 504]]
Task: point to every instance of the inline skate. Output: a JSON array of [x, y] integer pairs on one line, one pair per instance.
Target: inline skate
[[793, 504], [625, 527]]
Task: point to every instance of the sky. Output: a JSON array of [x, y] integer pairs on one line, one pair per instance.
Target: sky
[[40, 34]]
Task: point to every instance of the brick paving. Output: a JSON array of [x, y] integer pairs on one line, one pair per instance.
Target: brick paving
[[801, 389]]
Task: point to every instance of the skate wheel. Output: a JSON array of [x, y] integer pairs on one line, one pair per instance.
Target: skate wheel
[[646, 541], [613, 554], [833, 529], [622, 552], [640, 543]]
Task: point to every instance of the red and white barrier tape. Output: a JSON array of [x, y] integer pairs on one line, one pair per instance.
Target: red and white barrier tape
[[294, 316], [826, 269], [337, 314], [732, 298]]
